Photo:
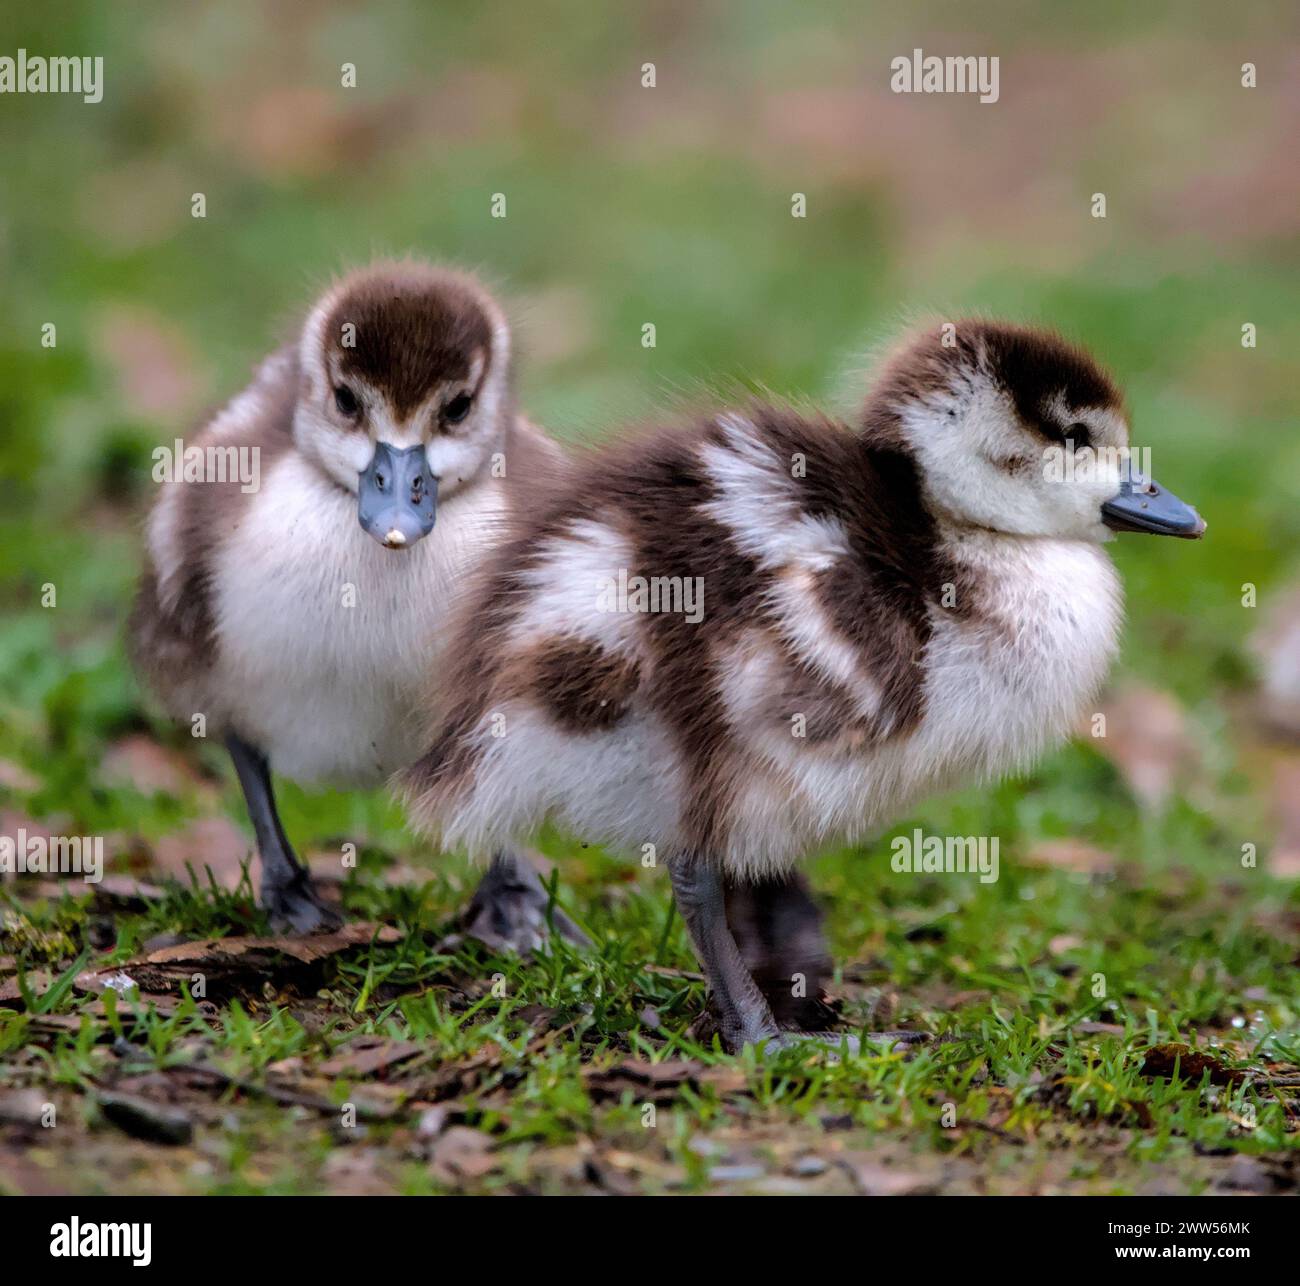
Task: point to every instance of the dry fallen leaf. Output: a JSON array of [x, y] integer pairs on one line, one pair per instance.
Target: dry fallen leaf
[[149, 767], [123, 893], [1071, 855], [462, 1153], [247, 961], [432, 1120], [368, 1055], [1277, 645], [152, 358], [38, 981], [15, 777], [23, 1107], [1148, 739], [665, 971], [873, 1179], [1097, 1029], [143, 1119], [1160, 1060], [306, 950], [1284, 856], [211, 843]]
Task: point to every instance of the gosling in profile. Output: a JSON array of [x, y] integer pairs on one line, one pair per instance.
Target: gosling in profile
[[302, 618], [886, 610]]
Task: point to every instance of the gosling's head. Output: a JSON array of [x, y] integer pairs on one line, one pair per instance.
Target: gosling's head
[[405, 393], [1016, 430]]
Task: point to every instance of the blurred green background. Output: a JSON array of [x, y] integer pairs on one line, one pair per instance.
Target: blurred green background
[[669, 205]]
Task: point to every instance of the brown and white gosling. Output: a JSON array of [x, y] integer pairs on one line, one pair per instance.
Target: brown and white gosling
[[302, 617], [848, 618]]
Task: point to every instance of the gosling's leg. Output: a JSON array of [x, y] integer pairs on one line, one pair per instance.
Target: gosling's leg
[[778, 927], [744, 1016], [288, 896], [508, 911]]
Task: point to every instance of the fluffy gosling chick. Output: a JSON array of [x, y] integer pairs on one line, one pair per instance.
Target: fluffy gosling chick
[[302, 617], [847, 619]]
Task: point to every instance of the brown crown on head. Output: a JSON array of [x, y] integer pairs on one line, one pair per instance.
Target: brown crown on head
[[1034, 366], [415, 327]]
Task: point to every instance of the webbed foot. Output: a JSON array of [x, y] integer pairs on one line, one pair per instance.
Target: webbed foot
[[509, 910], [296, 907]]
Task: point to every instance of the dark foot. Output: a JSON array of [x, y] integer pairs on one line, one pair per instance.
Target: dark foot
[[296, 907], [509, 910], [743, 1013]]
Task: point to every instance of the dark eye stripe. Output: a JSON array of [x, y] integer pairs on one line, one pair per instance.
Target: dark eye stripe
[[1077, 433]]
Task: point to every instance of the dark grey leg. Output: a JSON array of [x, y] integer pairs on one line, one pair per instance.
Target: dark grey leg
[[744, 1016], [778, 928], [287, 894], [508, 911]]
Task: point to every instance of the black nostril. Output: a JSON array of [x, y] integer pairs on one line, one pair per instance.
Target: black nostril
[[380, 481]]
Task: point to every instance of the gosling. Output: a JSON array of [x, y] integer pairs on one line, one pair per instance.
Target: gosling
[[302, 617], [751, 638]]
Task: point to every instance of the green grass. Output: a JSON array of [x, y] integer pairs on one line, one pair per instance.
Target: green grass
[[1186, 956]]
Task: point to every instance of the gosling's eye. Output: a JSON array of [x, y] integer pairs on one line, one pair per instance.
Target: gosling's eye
[[1078, 436], [457, 409], [346, 400]]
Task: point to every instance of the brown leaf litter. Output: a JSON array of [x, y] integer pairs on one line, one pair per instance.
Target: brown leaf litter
[[231, 964]]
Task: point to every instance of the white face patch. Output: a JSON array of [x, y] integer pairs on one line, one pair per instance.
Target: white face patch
[[982, 467], [464, 452], [343, 454], [455, 461]]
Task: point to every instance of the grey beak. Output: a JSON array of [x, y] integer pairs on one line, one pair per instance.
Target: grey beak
[[1144, 505], [397, 500]]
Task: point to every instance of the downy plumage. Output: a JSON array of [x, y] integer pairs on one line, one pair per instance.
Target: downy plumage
[[888, 610], [303, 619]]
